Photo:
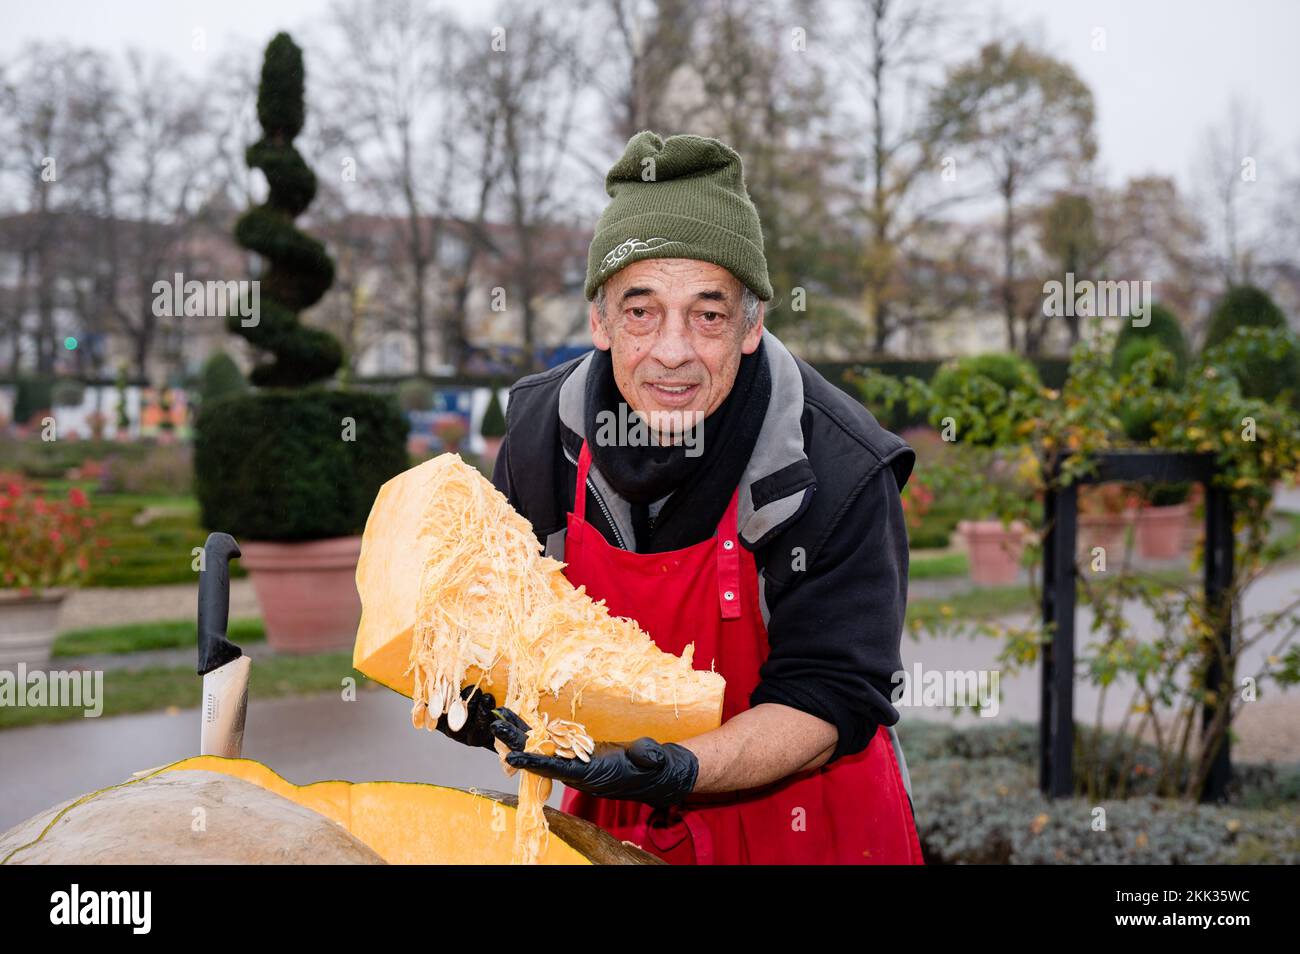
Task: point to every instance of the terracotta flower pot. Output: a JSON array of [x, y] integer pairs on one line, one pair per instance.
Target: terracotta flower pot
[[492, 447], [993, 550], [1107, 530], [307, 591], [28, 625], [1161, 531]]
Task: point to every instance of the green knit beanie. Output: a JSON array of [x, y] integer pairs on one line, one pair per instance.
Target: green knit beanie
[[680, 197]]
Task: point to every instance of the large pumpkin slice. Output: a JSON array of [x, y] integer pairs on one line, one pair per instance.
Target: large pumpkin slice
[[250, 815], [455, 592]]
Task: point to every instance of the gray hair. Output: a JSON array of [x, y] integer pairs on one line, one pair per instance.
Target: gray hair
[[749, 305]]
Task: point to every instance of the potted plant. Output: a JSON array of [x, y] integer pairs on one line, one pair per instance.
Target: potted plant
[[1162, 520], [45, 548], [1151, 362], [975, 401], [1106, 512], [291, 468], [493, 428], [989, 485]]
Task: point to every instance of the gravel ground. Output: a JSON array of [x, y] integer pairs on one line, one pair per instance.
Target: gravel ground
[[88, 608]]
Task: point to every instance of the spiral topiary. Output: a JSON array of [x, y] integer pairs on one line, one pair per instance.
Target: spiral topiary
[[288, 462], [299, 270]]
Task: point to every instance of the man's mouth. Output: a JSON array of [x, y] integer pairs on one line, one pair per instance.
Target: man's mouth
[[677, 394]]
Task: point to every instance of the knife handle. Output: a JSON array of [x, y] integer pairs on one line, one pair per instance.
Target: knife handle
[[215, 649]]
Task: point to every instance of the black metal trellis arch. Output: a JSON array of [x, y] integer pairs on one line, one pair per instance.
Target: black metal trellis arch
[[1060, 518]]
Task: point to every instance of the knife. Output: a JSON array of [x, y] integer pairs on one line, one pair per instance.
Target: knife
[[222, 664]]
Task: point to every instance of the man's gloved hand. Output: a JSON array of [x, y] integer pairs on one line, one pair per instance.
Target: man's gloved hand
[[477, 730], [642, 771]]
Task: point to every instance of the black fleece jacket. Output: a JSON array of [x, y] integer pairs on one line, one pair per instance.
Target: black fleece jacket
[[833, 574]]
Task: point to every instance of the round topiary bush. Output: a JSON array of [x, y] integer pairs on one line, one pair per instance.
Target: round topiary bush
[[415, 394], [1138, 416], [1163, 329], [991, 384], [219, 377], [295, 465], [1261, 376]]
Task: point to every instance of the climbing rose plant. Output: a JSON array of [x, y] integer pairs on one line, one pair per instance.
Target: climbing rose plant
[[1054, 437]]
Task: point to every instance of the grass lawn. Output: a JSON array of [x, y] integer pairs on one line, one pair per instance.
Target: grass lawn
[[137, 637], [146, 690], [979, 603], [929, 565], [151, 541]]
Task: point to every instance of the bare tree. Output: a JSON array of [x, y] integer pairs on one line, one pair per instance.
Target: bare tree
[[531, 76], [889, 53], [1024, 118], [387, 91], [651, 42], [144, 177], [36, 106], [1226, 171]]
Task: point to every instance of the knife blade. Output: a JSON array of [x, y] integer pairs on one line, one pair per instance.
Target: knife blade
[[222, 664]]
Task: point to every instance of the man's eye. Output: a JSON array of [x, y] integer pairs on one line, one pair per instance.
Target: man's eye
[[637, 312], [711, 315]]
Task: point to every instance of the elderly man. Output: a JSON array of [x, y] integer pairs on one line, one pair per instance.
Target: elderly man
[[762, 523]]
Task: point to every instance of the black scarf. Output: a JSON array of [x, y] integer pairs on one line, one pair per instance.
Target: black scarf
[[701, 486]]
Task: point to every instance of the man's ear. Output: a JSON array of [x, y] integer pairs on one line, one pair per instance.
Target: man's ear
[[598, 336], [754, 335]]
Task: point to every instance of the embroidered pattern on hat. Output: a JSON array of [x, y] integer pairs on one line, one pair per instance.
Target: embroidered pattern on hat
[[624, 249]]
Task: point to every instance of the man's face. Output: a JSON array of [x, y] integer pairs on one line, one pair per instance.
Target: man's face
[[675, 332]]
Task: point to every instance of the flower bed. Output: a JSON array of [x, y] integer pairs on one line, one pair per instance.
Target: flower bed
[[977, 802]]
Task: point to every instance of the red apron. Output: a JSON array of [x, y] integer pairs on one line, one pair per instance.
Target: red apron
[[855, 811]]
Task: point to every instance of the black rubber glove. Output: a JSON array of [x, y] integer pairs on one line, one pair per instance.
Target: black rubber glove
[[641, 771], [477, 730]]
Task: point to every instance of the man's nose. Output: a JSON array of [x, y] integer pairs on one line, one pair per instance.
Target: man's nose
[[673, 346]]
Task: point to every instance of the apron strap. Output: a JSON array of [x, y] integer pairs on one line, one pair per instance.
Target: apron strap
[[580, 491], [728, 550]]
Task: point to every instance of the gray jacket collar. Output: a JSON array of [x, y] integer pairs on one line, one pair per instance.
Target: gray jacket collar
[[779, 445]]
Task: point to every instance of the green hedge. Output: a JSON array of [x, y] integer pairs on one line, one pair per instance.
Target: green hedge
[[278, 465]]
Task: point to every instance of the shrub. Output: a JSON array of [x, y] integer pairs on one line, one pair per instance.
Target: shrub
[[977, 802], [163, 470], [277, 465], [220, 377], [34, 395], [415, 394], [1260, 375], [1138, 417], [990, 386], [45, 542], [494, 419], [1164, 330], [68, 393]]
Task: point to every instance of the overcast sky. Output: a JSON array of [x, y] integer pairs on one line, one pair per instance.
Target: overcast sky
[[1169, 67]]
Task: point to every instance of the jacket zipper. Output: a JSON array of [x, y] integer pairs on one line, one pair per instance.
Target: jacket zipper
[[600, 502]]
